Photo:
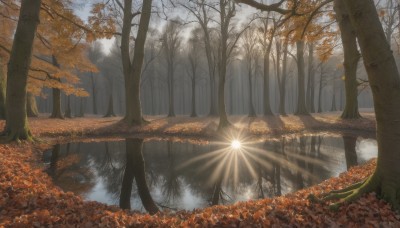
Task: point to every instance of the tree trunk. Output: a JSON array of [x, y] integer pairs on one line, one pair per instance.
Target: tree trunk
[[320, 92], [351, 59], [267, 103], [252, 112], [350, 150], [223, 118], [194, 114], [3, 84], [152, 95], [56, 113], [282, 86], [333, 106], [301, 102], [132, 70], [225, 18], [81, 108], [311, 78], [213, 99], [93, 94], [211, 66], [68, 111], [171, 107], [110, 109], [16, 127], [31, 106]]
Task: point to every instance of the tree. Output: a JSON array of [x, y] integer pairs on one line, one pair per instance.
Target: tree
[[104, 17], [171, 43], [351, 59], [68, 109], [311, 78], [7, 35], [282, 81], [266, 35], [60, 52], [301, 99], [250, 50], [110, 79], [31, 107], [96, 56], [227, 43], [16, 127], [56, 112], [194, 61], [201, 11], [133, 68], [3, 84]]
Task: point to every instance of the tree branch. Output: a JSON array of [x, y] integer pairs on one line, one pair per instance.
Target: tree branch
[[276, 7]]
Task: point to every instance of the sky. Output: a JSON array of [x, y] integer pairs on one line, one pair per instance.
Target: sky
[[82, 8]]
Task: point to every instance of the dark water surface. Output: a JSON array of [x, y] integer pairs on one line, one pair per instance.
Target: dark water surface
[[142, 175]]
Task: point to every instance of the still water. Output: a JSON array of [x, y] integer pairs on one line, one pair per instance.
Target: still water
[[140, 175]]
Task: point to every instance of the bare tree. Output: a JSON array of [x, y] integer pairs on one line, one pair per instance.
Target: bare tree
[[251, 52], [171, 43], [132, 65], [227, 43], [311, 79], [266, 34], [201, 11], [194, 61]]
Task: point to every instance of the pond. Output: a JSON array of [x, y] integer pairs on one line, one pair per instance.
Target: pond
[[142, 174]]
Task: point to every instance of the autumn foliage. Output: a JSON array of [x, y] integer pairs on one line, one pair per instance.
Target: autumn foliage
[[61, 34]]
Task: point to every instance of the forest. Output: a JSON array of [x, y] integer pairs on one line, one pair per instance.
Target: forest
[[199, 113]]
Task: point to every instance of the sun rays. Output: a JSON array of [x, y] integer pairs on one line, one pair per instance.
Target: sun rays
[[236, 144], [235, 157]]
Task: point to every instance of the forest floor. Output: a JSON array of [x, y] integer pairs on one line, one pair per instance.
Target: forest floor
[[28, 198], [201, 127]]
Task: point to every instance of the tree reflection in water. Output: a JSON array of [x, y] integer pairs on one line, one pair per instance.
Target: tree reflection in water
[[350, 150], [187, 176], [135, 169]]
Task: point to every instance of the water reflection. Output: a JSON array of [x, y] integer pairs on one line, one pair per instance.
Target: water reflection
[[187, 176], [350, 150], [134, 169]]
